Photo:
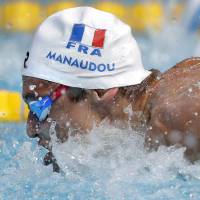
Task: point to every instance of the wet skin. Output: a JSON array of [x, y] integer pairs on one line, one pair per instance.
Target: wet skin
[[166, 105], [174, 109]]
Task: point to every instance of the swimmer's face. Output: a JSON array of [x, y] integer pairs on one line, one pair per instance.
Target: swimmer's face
[[69, 113]]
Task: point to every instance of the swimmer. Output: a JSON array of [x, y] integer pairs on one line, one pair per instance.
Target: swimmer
[[85, 66]]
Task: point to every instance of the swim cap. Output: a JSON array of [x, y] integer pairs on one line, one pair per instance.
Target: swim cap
[[86, 48]]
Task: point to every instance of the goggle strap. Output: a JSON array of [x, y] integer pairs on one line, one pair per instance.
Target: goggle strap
[[60, 90]]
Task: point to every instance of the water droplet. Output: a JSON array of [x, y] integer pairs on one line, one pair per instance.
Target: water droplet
[[196, 113], [32, 87], [190, 90]]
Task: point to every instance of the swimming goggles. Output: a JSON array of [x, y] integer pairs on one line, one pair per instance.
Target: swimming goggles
[[41, 108]]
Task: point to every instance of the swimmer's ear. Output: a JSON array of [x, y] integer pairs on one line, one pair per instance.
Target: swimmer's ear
[[109, 95], [106, 98]]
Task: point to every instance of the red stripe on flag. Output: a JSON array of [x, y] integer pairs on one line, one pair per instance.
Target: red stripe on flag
[[98, 40]]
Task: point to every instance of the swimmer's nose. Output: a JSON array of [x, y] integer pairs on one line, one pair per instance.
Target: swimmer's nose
[[32, 126], [36, 128]]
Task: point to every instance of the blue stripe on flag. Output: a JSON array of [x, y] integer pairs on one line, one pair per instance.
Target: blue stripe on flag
[[77, 32]]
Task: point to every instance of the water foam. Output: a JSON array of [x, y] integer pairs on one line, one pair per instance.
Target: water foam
[[116, 161]]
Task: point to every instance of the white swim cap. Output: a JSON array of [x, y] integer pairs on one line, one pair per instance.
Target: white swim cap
[[86, 48]]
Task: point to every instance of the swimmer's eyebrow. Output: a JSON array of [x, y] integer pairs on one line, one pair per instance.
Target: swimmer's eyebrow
[[76, 93], [29, 97]]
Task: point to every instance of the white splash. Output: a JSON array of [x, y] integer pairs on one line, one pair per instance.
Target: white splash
[[120, 153]]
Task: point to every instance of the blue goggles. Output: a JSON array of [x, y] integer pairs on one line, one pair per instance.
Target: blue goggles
[[42, 107]]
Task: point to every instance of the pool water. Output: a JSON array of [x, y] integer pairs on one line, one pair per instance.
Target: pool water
[[109, 163]]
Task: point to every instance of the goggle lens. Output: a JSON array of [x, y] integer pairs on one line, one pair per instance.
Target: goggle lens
[[42, 107]]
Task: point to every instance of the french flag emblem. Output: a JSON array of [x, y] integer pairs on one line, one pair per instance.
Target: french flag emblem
[[88, 35]]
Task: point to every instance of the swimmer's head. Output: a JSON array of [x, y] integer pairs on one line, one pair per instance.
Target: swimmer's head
[[85, 48], [81, 48], [77, 110]]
